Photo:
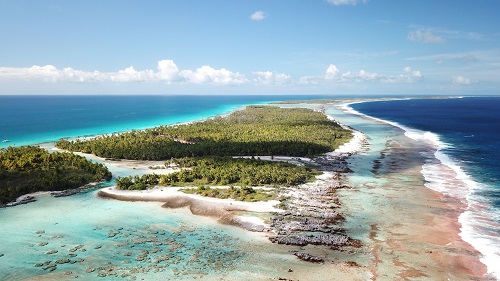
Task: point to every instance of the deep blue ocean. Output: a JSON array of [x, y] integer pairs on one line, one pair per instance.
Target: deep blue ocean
[[469, 126], [465, 135]]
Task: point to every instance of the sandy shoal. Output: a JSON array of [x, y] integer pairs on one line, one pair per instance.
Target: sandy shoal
[[222, 209]]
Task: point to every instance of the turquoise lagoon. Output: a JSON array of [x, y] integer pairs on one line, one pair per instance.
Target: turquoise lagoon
[[87, 237]]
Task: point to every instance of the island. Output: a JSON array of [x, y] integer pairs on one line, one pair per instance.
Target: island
[[30, 169], [256, 130], [268, 159]]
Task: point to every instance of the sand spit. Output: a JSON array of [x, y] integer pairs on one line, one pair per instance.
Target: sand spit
[[224, 210], [309, 214]]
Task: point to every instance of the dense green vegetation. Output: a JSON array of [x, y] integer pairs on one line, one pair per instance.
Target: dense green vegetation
[[30, 169], [257, 130], [247, 194], [222, 171]]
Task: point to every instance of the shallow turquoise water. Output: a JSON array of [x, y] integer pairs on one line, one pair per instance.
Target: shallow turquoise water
[[83, 236], [93, 232], [28, 120]]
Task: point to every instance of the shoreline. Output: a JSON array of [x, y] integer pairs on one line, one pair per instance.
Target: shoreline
[[144, 165], [468, 260], [223, 210], [175, 198], [220, 208], [440, 216]]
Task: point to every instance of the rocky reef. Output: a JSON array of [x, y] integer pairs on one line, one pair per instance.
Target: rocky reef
[[312, 214]]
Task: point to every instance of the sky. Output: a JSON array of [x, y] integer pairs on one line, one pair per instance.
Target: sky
[[331, 47]]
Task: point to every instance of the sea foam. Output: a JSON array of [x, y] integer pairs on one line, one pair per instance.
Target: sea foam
[[446, 175]]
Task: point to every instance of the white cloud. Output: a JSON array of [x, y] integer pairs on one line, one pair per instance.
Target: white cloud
[[207, 74], [270, 78], [131, 75], [425, 37], [258, 16], [346, 76], [461, 80], [367, 76], [411, 75], [332, 72], [309, 80], [50, 73], [408, 76], [346, 2], [167, 71]]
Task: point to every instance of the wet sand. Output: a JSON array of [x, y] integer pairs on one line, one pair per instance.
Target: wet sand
[[224, 210]]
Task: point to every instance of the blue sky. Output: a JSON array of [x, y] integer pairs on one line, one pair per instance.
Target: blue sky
[[250, 47]]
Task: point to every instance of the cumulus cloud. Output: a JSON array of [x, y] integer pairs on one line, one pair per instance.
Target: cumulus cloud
[[461, 80], [346, 2], [367, 76], [258, 16], [411, 75], [271, 78], [333, 74], [207, 74], [50, 73], [131, 75], [167, 72], [425, 37]]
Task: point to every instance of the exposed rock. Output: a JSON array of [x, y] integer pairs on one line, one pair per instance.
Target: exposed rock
[[312, 216], [73, 191], [307, 257], [21, 200], [352, 263], [50, 267], [302, 240]]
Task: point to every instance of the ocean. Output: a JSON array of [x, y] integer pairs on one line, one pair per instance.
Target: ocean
[[28, 120], [83, 235], [458, 155], [463, 137]]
